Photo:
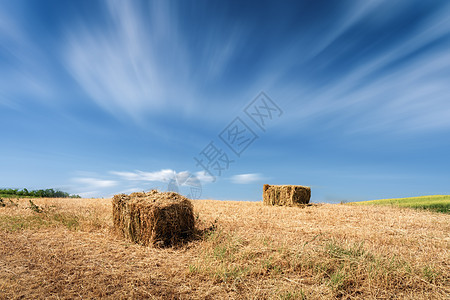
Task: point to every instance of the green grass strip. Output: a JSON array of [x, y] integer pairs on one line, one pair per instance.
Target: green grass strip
[[436, 203]]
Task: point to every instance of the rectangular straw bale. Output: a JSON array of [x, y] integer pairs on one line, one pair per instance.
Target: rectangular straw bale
[[286, 195], [153, 218]]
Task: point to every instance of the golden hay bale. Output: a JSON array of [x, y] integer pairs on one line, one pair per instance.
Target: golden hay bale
[[153, 218], [287, 195]]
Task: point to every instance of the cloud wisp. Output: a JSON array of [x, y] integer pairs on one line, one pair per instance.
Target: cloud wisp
[[164, 175], [247, 178], [88, 187], [126, 181], [160, 176], [398, 88], [122, 67], [95, 182]]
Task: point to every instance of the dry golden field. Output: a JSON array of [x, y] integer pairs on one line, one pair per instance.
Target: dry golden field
[[247, 251]]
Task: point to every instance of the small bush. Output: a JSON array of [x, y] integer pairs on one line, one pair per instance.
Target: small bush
[[34, 207]]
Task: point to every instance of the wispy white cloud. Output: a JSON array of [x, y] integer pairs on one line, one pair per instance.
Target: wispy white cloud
[[26, 75], [123, 67], [349, 18], [162, 176], [165, 175], [90, 194], [402, 88], [88, 187], [204, 177], [246, 178], [10, 29], [95, 183], [130, 190]]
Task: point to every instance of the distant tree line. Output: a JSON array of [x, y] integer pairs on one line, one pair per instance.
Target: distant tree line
[[48, 193]]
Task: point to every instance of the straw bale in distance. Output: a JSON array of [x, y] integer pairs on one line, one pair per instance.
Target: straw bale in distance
[[153, 218], [286, 195]]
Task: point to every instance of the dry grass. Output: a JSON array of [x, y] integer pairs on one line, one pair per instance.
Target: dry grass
[[318, 252]]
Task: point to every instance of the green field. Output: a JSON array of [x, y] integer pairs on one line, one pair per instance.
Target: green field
[[437, 203]]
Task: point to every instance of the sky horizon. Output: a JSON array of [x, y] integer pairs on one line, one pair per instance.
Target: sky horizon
[[216, 99]]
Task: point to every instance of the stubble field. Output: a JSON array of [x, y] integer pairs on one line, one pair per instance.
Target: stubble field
[[244, 250]]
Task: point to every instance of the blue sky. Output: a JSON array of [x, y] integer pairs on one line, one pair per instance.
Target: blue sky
[[102, 97]]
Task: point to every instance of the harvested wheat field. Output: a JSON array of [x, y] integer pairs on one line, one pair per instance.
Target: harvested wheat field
[[241, 250]]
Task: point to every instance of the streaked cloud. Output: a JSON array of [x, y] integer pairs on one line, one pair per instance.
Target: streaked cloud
[[204, 177], [123, 68], [400, 87], [95, 183], [163, 175], [247, 178], [88, 187]]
